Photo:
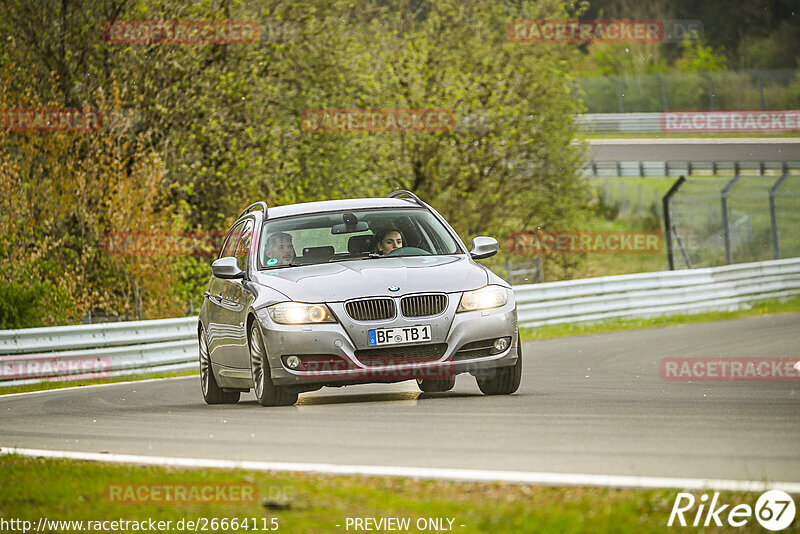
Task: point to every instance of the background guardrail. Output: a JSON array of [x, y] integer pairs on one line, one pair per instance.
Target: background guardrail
[[619, 122], [113, 349], [644, 169], [623, 123]]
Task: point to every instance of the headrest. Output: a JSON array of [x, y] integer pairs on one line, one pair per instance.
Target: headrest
[[317, 253]]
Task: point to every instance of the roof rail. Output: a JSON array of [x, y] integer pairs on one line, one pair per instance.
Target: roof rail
[[260, 204], [401, 192]]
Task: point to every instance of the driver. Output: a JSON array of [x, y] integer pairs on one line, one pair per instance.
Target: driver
[[389, 241], [280, 250]]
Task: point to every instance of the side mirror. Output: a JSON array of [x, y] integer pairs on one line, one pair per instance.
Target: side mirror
[[483, 247], [227, 268]]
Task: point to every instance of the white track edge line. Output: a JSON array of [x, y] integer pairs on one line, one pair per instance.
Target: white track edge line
[[8, 395], [455, 474]]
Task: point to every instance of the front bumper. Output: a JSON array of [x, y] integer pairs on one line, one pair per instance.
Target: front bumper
[[336, 340]]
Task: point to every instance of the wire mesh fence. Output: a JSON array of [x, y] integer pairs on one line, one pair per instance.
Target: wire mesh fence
[[735, 219], [692, 91], [787, 215]]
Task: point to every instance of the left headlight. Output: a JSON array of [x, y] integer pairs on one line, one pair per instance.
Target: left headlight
[[300, 313], [484, 298]]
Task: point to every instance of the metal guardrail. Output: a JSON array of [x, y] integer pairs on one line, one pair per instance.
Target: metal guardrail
[[625, 123], [114, 349], [644, 169], [654, 294], [95, 351], [619, 122]]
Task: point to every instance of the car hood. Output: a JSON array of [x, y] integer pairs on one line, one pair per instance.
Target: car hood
[[340, 281]]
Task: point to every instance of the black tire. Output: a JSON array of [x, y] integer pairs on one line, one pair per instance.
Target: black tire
[[506, 379], [433, 385], [212, 393], [267, 393]]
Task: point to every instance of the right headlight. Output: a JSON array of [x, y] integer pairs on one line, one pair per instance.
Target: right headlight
[[492, 296], [300, 313]]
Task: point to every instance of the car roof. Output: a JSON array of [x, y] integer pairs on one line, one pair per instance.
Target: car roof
[[337, 205]]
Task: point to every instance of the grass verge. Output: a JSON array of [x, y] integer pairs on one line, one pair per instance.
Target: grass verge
[[89, 491], [613, 325], [40, 386]]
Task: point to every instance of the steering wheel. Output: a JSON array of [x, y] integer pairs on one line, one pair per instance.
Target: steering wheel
[[409, 251]]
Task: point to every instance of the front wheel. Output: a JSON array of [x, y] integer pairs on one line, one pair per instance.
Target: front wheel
[[506, 379], [267, 393], [212, 393]]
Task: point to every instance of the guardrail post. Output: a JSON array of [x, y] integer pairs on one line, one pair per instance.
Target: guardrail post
[[725, 226], [776, 251], [668, 221]]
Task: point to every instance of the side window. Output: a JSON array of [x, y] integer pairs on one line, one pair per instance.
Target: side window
[[230, 242], [244, 244]]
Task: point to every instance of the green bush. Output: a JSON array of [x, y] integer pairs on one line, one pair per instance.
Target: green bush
[[23, 305]]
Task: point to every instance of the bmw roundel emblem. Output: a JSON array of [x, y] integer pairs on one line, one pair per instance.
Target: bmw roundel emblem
[[394, 288]]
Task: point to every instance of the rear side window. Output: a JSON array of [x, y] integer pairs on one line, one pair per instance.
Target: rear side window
[[243, 247], [230, 242]]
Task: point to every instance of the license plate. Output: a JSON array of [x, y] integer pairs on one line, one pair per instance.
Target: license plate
[[379, 337]]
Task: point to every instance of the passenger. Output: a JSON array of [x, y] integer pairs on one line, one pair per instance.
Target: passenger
[[280, 250], [389, 241]]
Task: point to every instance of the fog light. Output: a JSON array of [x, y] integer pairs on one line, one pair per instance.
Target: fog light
[[501, 344], [293, 362]]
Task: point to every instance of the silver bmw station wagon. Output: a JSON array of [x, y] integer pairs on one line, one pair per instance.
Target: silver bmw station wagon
[[346, 292]]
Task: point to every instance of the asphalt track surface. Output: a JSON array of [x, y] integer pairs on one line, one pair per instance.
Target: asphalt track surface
[[700, 149], [591, 404]]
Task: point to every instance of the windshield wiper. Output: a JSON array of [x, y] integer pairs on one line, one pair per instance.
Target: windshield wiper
[[369, 256]]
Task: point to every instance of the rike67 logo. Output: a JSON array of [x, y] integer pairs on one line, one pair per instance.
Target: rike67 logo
[[774, 510]]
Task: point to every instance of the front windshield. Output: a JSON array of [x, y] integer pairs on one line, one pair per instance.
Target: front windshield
[[352, 235]]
